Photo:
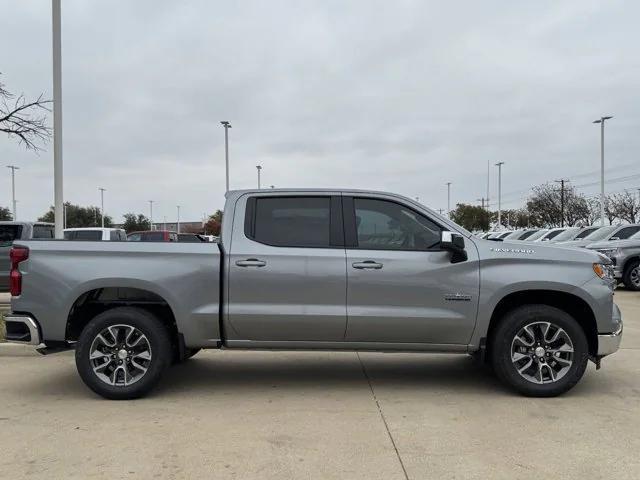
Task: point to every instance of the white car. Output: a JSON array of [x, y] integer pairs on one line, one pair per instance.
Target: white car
[[95, 234]]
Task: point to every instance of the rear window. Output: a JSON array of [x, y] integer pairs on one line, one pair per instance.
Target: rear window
[[153, 237], [189, 238], [43, 231], [84, 235], [8, 233]]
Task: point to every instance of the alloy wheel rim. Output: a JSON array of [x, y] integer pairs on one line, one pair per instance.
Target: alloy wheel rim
[[120, 355], [542, 352], [635, 276]]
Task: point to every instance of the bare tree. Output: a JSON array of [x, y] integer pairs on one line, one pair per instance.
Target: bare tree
[[625, 206], [24, 119]]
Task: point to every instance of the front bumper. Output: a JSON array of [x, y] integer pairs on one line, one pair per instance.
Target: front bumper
[[610, 342], [22, 329]]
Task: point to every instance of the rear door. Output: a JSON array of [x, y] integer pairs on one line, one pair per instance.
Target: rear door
[[286, 267], [402, 288]]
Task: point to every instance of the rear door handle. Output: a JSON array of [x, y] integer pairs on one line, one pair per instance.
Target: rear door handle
[[367, 264], [251, 262]]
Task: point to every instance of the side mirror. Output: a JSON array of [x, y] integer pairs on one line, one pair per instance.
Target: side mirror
[[454, 243]]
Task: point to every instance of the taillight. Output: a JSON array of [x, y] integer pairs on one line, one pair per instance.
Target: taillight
[[17, 255]]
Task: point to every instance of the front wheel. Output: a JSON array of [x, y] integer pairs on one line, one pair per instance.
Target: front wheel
[[631, 277], [539, 350], [122, 353]]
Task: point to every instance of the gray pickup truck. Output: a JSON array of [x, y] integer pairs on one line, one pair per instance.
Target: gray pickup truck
[[625, 255], [14, 231], [316, 269]]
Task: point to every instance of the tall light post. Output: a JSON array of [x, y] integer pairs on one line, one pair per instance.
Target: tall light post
[[102, 190], [601, 122], [57, 118], [226, 126], [258, 168], [499, 165], [178, 226], [449, 198], [13, 189], [151, 214]]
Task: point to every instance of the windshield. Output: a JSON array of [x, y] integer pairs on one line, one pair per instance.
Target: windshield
[[537, 234], [567, 234], [8, 233], [585, 232], [552, 234], [527, 234], [600, 233]]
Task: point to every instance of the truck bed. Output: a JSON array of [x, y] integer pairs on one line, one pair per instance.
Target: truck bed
[[60, 274]]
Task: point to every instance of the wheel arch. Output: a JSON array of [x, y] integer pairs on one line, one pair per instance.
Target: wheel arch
[[100, 299], [572, 304]]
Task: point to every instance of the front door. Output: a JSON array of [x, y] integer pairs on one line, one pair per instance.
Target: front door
[[287, 279], [401, 287]]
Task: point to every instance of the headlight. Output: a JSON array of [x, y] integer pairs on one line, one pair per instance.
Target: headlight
[[609, 252], [603, 271]]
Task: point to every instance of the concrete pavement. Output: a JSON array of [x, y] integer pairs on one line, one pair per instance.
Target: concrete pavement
[[321, 415]]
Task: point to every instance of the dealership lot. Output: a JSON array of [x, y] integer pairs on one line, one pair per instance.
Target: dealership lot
[[321, 415]]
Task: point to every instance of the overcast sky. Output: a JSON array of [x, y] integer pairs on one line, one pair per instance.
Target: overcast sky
[[401, 96]]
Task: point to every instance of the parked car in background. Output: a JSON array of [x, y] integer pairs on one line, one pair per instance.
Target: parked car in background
[[625, 255], [605, 234], [10, 231], [574, 233], [153, 236], [568, 233], [499, 235], [190, 238], [95, 234]]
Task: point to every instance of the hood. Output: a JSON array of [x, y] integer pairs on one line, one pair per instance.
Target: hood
[[615, 244]]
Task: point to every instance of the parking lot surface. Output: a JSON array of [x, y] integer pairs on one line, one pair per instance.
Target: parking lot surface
[[322, 415]]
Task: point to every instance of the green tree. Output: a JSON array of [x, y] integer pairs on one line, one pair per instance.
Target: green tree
[[5, 214], [213, 225], [471, 217], [78, 217], [135, 223]]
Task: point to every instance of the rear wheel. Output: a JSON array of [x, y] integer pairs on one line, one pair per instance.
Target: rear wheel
[[631, 276], [122, 353], [539, 350]]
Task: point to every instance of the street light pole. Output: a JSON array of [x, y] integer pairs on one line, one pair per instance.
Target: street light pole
[[499, 165], [449, 198], [102, 190], [601, 122], [151, 214], [13, 189], [57, 119], [226, 126], [258, 167], [178, 206]]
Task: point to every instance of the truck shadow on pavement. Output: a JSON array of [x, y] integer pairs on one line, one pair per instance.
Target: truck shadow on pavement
[[259, 373]]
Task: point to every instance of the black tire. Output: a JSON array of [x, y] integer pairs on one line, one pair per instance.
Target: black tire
[[157, 337], [632, 266], [501, 350]]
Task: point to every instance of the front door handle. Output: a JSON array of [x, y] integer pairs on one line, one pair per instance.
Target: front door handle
[[251, 262], [369, 264]]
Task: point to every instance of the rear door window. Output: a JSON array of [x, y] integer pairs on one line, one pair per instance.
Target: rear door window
[[291, 221], [43, 231], [9, 233], [86, 235]]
